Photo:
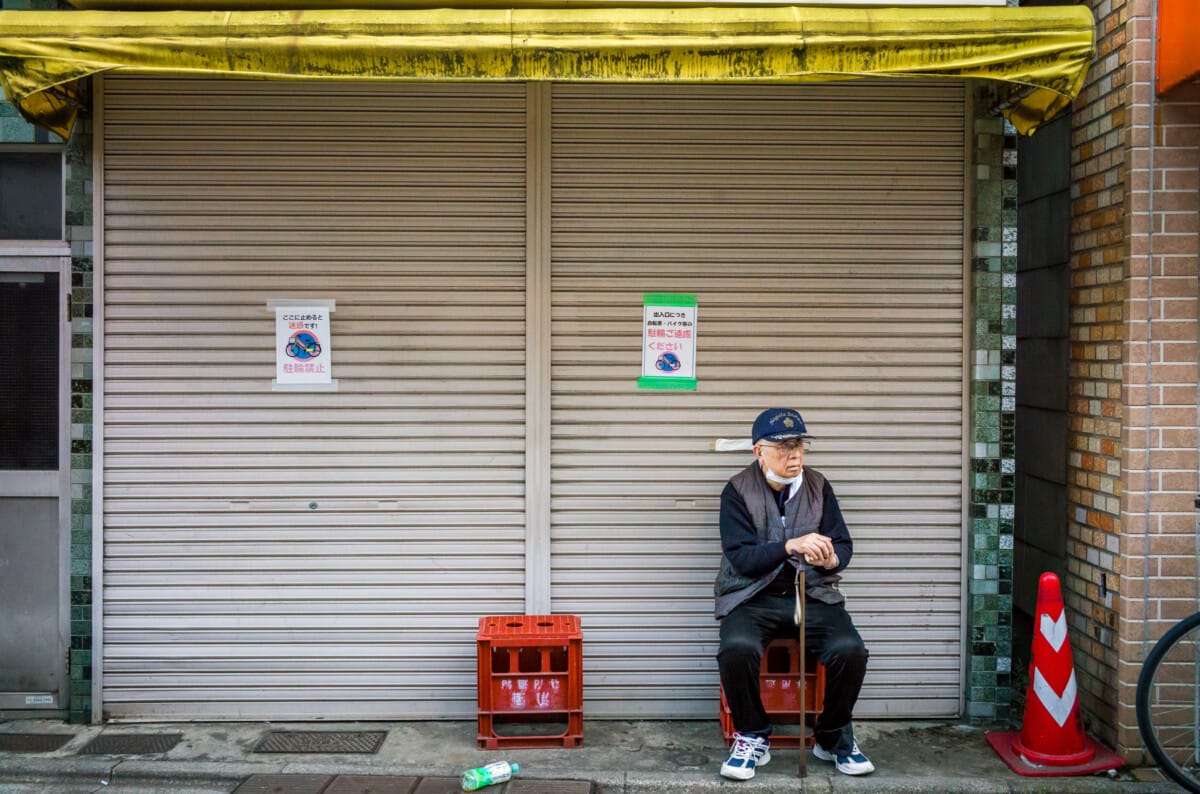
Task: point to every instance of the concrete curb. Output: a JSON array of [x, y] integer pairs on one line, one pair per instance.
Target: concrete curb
[[621, 757], [141, 772]]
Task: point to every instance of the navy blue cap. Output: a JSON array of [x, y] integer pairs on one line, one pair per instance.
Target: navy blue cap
[[779, 424]]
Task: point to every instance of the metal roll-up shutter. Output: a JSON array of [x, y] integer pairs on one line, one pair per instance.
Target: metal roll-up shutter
[[274, 555], [821, 228]]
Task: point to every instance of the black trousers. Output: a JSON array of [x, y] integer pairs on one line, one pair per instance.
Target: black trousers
[[829, 634]]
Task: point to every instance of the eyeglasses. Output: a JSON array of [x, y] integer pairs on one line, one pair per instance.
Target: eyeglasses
[[789, 448]]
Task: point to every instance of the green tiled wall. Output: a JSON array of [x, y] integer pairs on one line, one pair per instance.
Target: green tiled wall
[[79, 234], [992, 420]]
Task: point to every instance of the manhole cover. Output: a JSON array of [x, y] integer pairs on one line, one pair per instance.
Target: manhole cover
[[321, 742], [370, 784], [33, 742], [131, 743], [282, 784], [548, 787]]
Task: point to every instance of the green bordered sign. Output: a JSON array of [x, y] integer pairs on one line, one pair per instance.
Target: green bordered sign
[[668, 342]]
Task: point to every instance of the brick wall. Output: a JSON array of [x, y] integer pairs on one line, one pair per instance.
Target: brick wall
[[1159, 439], [1095, 410], [1132, 465]]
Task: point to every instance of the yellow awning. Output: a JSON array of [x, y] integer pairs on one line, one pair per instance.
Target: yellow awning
[[1042, 54]]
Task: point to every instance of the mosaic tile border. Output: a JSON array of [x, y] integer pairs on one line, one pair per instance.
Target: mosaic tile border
[[79, 234], [991, 501]]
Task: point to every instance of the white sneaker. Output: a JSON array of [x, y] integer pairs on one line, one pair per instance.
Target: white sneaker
[[747, 753], [854, 764]]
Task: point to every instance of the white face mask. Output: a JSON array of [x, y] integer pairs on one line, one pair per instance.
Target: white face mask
[[775, 478]]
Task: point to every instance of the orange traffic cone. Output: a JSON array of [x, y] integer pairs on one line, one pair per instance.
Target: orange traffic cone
[[1052, 741]]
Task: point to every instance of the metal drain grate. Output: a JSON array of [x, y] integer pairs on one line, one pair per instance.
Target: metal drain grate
[[33, 742], [371, 784], [321, 742], [283, 784], [131, 743], [518, 786], [439, 785]]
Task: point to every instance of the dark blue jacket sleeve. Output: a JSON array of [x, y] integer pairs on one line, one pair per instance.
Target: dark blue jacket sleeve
[[746, 553]]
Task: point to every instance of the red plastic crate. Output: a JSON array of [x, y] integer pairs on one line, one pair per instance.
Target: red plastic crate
[[779, 682], [530, 672]]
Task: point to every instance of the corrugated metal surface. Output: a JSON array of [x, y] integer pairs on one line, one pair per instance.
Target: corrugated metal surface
[[822, 230], [283, 555]]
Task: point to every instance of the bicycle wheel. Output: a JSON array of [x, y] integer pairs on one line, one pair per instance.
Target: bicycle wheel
[[1168, 703]]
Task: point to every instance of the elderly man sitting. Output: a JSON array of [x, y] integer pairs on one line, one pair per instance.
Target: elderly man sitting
[[776, 515]]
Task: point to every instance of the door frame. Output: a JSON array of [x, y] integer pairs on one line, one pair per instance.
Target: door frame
[[32, 256]]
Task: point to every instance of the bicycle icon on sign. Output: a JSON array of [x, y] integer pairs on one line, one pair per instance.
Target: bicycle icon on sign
[[303, 346]]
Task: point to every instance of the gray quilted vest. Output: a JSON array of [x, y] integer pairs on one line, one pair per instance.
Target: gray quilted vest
[[802, 515]]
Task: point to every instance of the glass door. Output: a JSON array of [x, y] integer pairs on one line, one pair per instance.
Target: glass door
[[34, 483]]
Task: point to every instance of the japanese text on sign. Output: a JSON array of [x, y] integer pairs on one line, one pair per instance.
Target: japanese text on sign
[[668, 342], [303, 348]]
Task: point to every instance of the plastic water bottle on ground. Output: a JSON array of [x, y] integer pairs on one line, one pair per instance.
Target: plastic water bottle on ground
[[497, 772]]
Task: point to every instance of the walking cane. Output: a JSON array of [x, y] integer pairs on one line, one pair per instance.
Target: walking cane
[[800, 616]]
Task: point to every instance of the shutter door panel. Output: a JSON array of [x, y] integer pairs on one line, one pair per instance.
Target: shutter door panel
[[821, 228], [225, 595]]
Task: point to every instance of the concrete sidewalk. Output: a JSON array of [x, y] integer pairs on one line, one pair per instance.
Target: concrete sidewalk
[[635, 757]]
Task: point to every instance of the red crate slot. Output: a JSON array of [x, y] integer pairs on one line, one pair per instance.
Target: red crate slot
[[499, 628], [530, 674], [779, 683]]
